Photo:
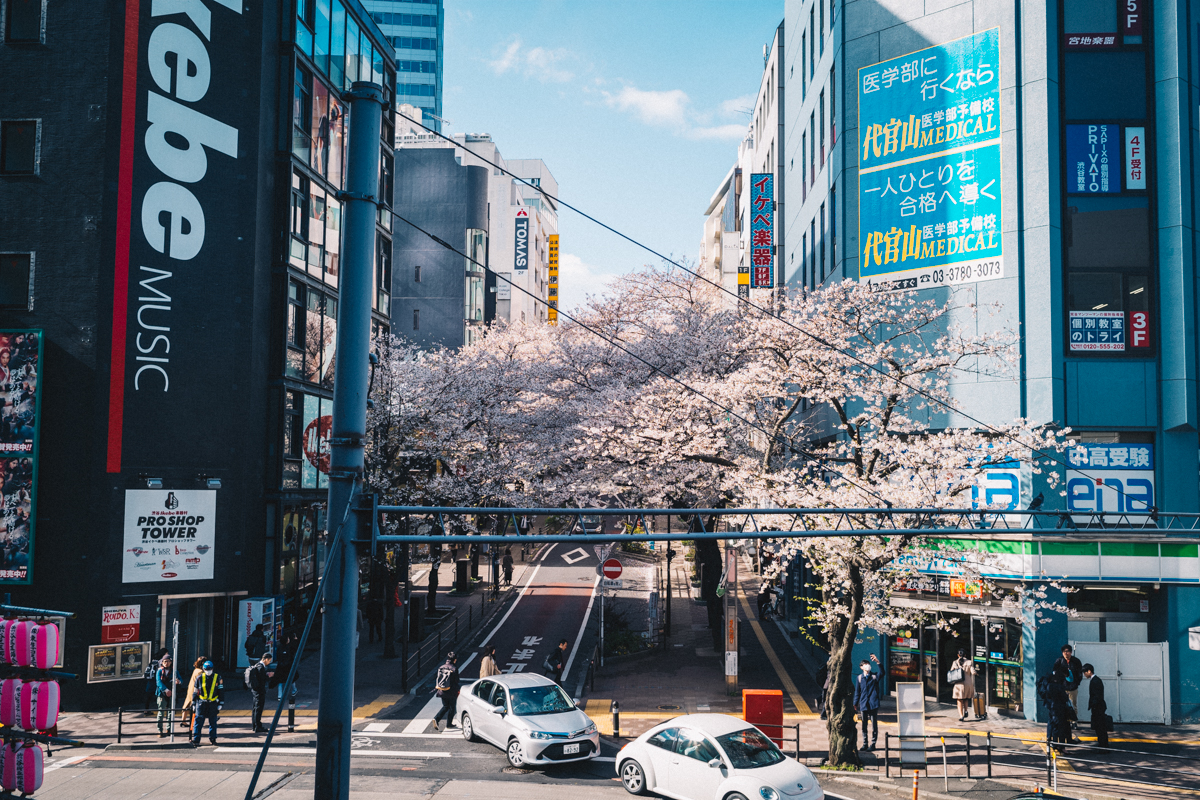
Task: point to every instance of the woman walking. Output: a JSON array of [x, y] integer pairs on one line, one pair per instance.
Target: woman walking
[[191, 693], [964, 687], [487, 667]]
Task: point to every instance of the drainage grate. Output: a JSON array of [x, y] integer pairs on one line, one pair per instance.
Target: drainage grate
[[516, 771], [669, 708]]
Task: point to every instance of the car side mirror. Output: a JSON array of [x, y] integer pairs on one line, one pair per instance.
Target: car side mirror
[[497, 709], [716, 763]]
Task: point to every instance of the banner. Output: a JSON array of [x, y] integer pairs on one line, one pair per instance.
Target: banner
[[20, 404], [762, 230], [120, 624], [929, 176], [552, 303], [169, 535], [521, 251], [1110, 478]]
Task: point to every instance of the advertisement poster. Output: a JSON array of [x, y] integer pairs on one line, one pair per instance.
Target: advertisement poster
[[521, 241], [762, 230], [20, 362], [117, 662], [120, 624], [1110, 478], [1098, 330], [169, 535], [1093, 156], [929, 177]]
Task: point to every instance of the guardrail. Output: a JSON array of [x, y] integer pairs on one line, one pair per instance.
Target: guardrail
[[149, 717]]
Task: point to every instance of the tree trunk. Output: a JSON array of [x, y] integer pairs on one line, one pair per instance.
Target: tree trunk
[[843, 746]]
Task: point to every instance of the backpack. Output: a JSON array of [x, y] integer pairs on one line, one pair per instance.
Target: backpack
[[246, 675], [444, 673]]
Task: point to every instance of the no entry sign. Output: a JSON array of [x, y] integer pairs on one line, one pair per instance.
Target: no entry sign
[[611, 568]]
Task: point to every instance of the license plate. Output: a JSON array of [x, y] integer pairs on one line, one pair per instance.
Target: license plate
[[570, 749]]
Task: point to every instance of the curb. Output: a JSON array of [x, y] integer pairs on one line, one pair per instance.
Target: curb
[[184, 745]]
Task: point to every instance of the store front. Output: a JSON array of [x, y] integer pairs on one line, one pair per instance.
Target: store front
[[206, 623], [988, 634], [301, 553]]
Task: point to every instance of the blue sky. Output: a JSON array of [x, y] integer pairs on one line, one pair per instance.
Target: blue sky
[[637, 108]]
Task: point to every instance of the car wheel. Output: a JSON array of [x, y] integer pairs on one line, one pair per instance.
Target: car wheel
[[633, 778], [516, 753], [735, 796], [468, 730]]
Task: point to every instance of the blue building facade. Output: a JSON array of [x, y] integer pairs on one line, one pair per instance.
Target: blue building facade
[[1057, 139], [414, 28]]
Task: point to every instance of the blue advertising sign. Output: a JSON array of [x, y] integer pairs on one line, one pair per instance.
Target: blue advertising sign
[[929, 177], [1093, 156], [762, 230], [1111, 478], [1098, 330]]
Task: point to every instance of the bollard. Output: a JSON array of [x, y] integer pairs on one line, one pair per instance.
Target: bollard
[[945, 767], [292, 713], [1054, 771], [616, 712], [989, 753], [968, 737], [887, 751], [915, 774]]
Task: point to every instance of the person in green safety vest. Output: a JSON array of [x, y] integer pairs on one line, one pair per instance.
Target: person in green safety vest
[[208, 700]]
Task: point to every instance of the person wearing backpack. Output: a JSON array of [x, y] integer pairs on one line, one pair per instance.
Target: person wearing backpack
[[256, 644], [165, 684], [256, 677], [446, 685]]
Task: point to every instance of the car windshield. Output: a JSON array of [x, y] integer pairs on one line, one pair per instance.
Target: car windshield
[[748, 749], [591, 519], [539, 700]]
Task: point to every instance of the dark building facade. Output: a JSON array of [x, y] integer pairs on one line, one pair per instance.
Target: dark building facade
[[173, 232], [438, 297]]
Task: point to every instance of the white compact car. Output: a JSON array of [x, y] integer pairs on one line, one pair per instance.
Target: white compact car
[[712, 757], [529, 717]]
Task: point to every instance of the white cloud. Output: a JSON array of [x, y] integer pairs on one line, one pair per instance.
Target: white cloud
[[577, 280], [738, 105], [653, 108], [539, 63], [673, 109]]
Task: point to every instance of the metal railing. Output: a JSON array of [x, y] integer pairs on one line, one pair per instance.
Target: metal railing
[[147, 717]]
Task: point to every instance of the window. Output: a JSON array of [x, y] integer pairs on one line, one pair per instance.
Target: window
[[812, 42], [321, 36], [483, 689], [416, 89], [664, 739], [23, 23], [298, 251], [302, 115], [833, 226], [812, 151], [812, 242], [296, 331], [694, 744], [337, 44], [417, 274], [16, 281], [804, 259], [832, 108], [293, 435], [804, 162], [19, 147], [429, 67], [416, 319], [383, 274], [822, 242], [822, 28], [822, 119], [803, 71]]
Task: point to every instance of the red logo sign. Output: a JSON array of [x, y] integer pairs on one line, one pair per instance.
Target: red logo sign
[[611, 569], [316, 442], [1139, 329], [169, 575]]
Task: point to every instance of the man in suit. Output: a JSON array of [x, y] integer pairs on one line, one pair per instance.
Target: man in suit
[[1097, 705]]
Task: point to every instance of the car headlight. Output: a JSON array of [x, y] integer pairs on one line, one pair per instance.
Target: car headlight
[[589, 730], [539, 735], [767, 793]]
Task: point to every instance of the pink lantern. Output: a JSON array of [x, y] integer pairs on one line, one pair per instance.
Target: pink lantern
[[37, 703], [21, 767], [10, 691], [29, 644]]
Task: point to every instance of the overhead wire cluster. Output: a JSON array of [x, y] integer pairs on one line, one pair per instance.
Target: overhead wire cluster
[[1052, 457]]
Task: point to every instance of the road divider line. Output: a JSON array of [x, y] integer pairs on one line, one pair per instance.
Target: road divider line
[[421, 721], [784, 678], [511, 608], [587, 615], [358, 752]]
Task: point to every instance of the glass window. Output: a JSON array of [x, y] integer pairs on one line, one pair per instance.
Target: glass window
[[316, 229], [416, 319], [18, 147], [16, 272], [833, 227], [302, 115], [534, 700], [293, 404], [333, 241], [822, 241], [483, 690], [664, 738], [1090, 16], [366, 53], [297, 331], [694, 744], [417, 273], [337, 44], [298, 225], [321, 36], [352, 35], [377, 67], [1121, 95], [748, 749], [24, 22], [312, 410], [383, 275]]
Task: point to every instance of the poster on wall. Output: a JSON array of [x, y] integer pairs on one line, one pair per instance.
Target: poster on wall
[[20, 404], [170, 535], [1093, 159], [762, 230], [120, 624], [929, 175], [117, 662], [1097, 330]]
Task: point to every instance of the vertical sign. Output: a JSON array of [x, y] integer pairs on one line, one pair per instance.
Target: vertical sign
[[1091, 156], [20, 415], [1131, 17], [762, 230], [552, 313], [929, 176], [1139, 329], [1135, 158], [521, 259], [731, 621]]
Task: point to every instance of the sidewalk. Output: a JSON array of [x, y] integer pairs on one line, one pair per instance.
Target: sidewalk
[[377, 683]]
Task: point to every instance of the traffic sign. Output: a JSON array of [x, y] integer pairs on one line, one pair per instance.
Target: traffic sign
[[612, 583], [611, 568]]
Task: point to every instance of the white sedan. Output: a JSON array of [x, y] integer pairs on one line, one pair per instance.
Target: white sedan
[[529, 717], [712, 757]]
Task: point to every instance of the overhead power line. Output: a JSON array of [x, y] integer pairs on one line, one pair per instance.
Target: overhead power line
[[1053, 457]]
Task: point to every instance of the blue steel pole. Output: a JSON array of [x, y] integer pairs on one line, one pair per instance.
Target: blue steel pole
[[351, 377]]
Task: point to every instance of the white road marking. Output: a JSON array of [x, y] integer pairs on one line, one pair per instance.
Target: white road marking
[[313, 751], [454, 734], [583, 625], [421, 721], [582, 555], [376, 727], [508, 613], [417, 578], [608, 759], [66, 762]]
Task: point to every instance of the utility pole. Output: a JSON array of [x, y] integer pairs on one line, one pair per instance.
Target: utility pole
[[351, 381]]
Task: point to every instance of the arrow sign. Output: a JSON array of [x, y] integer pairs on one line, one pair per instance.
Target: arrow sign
[[611, 569]]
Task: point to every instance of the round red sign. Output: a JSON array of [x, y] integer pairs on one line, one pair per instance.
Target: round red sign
[[316, 442], [611, 569]]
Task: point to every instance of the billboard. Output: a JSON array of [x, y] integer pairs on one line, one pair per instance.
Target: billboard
[[929, 174], [762, 230], [521, 251], [170, 535], [552, 311], [1093, 156], [20, 404], [1110, 478]]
